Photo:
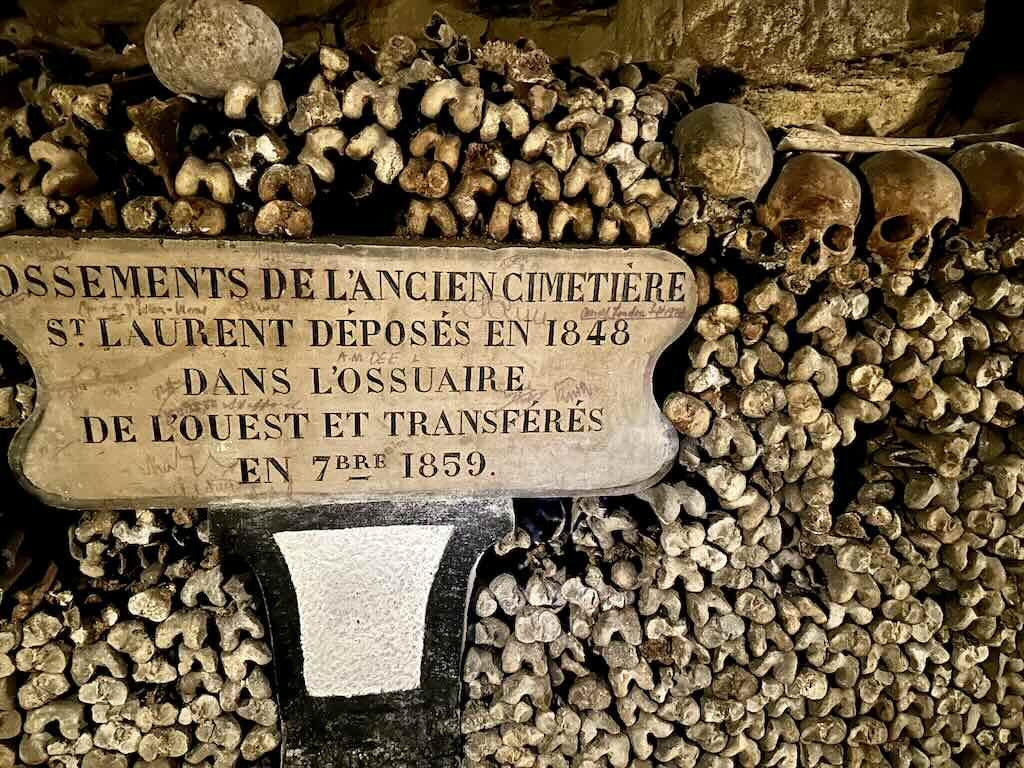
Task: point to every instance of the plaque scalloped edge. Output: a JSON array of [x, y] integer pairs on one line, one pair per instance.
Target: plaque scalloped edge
[[286, 254]]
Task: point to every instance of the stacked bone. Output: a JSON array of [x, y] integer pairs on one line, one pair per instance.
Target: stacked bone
[[830, 576], [17, 393], [497, 142], [153, 656], [776, 611]]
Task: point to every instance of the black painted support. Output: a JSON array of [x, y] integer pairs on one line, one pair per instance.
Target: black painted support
[[401, 728]]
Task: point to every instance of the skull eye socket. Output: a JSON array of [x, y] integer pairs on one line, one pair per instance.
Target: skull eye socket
[[838, 237], [791, 231], [943, 228], [896, 229]]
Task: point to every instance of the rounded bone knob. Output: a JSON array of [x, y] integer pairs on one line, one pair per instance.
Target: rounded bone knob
[[203, 46]]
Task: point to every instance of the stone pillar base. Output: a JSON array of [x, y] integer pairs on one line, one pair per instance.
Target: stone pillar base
[[367, 607]]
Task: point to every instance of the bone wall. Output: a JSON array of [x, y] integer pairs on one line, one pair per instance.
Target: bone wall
[[146, 650], [829, 576]]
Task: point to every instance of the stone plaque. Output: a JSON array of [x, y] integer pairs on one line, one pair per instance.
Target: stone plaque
[[254, 372]]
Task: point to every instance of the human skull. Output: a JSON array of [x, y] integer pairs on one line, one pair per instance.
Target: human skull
[[912, 194], [202, 47], [993, 173], [812, 209], [725, 150]]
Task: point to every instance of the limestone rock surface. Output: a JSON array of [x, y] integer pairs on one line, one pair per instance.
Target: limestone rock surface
[[769, 41]]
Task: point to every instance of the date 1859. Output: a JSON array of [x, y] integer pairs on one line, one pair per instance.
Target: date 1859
[[448, 464], [427, 465]]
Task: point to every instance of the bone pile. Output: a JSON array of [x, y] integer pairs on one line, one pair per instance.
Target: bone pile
[[828, 577], [831, 575], [448, 140], [153, 656]]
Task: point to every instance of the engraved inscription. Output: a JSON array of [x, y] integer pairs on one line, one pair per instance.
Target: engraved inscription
[[199, 371]]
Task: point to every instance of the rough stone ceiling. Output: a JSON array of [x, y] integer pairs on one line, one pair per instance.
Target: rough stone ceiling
[[872, 66]]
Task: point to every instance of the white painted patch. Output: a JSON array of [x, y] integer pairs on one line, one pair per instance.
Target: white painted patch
[[362, 597]]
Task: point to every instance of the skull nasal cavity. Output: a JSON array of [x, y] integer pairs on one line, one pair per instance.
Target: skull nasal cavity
[[922, 247], [811, 257], [897, 229], [838, 237]]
